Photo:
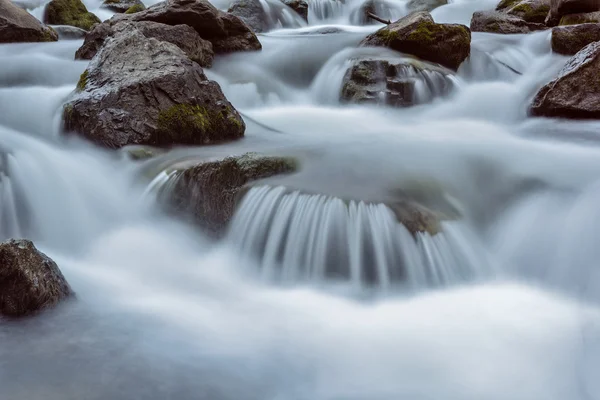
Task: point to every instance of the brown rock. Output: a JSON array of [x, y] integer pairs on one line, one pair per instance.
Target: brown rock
[[560, 8], [17, 25], [500, 22], [570, 39]]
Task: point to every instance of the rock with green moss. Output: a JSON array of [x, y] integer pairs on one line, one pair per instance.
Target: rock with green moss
[[560, 8], [394, 82], [18, 26], [183, 36], [425, 5], [575, 93], [135, 9], [139, 90], [69, 12], [209, 191], [29, 280], [122, 6], [534, 11], [583, 18], [418, 35], [503, 23], [570, 39]]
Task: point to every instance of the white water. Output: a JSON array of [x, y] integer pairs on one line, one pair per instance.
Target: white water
[[164, 313]]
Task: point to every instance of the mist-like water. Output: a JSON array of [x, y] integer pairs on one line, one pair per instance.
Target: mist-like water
[[316, 292]]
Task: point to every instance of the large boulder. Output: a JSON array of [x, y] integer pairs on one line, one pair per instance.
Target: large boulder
[[527, 10], [560, 8], [69, 12], [122, 6], [425, 5], [182, 36], [29, 280], [252, 13], [417, 34], [399, 83], [572, 38], [140, 90], [209, 191], [582, 18], [17, 25], [575, 93], [501, 22]]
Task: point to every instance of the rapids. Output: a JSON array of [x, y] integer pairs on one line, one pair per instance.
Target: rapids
[[310, 297]]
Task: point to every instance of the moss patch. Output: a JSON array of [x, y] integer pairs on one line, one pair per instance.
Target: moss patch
[[387, 35], [83, 79], [530, 13], [70, 12], [506, 4], [135, 9], [49, 35], [184, 117]]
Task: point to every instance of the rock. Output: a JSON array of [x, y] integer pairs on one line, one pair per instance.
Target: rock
[[417, 34], [300, 6], [560, 8], [140, 90], [376, 7], [29, 280], [136, 8], [397, 83], [583, 18], [209, 191], [69, 12], [575, 93], [121, 6], [252, 13], [182, 36], [500, 22], [17, 26], [69, 32], [425, 5], [527, 10], [570, 39]]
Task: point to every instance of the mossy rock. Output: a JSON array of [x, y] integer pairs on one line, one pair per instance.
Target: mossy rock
[[69, 12], [576, 19], [135, 9], [531, 11], [18, 26]]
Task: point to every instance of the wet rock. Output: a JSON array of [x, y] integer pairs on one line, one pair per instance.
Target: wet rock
[[29, 280], [121, 6], [500, 22], [67, 32], [69, 12], [397, 83], [425, 5], [182, 36], [528, 10], [209, 191], [17, 26], [570, 39], [560, 8], [140, 90], [583, 18], [575, 93], [300, 6], [417, 34], [136, 8], [252, 13]]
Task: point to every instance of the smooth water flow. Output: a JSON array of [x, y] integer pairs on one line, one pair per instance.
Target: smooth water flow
[[316, 292]]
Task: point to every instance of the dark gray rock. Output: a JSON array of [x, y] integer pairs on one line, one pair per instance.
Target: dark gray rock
[[29, 280], [17, 26], [560, 8], [399, 83], [500, 22], [67, 32], [417, 34], [182, 36], [575, 93], [140, 90], [121, 6], [570, 39], [252, 13]]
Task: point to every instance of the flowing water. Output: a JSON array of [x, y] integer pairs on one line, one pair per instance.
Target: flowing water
[[316, 292]]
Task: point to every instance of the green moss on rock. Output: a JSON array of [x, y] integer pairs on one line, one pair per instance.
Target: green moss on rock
[[70, 12], [135, 9], [504, 4], [83, 78]]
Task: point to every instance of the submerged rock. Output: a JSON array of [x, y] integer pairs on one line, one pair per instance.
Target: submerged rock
[[69, 32], [18, 26], [139, 90], [69, 12], [499, 22], [300, 6], [570, 39], [575, 93], [29, 280], [425, 5], [122, 6], [252, 13], [182, 36], [417, 34], [560, 8], [209, 191], [396, 83]]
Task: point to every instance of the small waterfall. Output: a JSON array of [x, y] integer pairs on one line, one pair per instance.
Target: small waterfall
[[10, 226], [320, 11], [306, 237], [280, 16]]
